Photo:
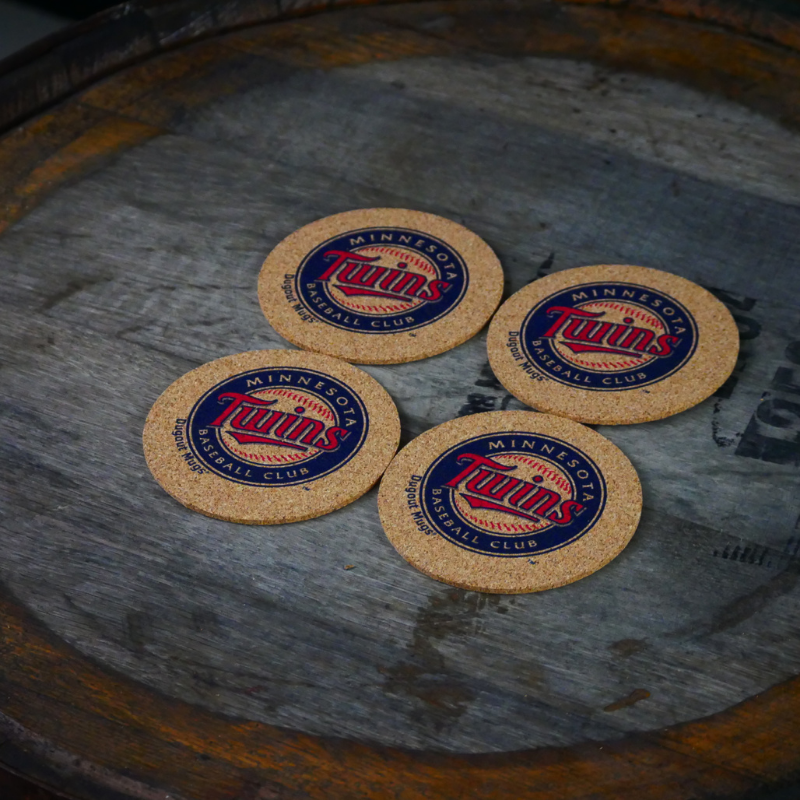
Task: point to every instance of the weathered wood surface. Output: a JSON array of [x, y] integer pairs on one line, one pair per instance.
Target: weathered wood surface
[[140, 267], [54, 68]]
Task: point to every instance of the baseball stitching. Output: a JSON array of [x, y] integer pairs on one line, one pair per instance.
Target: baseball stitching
[[547, 472], [269, 459], [628, 310], [308, 403], [648, 319], [409, 259]]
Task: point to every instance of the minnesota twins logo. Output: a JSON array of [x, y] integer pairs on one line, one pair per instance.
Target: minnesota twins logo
[[380, 280], [277, 426], [511, 494], [607, 336]]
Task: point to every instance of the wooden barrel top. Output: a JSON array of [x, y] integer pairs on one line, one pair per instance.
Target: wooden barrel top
[[152, 158]]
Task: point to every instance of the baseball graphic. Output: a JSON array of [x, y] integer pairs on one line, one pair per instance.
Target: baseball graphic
[[276, 411], [626, 324], [382, 282], [274, 426], [543, 473]]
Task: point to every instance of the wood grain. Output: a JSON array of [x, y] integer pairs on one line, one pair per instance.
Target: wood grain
[[192, 645]]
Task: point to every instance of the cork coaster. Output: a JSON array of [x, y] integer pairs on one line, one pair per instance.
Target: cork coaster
[[271, 436], [380, 285], [510, 502], [613, 344]]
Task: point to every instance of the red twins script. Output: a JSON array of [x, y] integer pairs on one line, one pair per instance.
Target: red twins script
[[582, 334], [410, 282], [254, 422], [484, 484]]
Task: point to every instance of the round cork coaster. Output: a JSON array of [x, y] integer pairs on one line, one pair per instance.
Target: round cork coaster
[[380, 285], [510, 502], [613, 344], [271, 436]]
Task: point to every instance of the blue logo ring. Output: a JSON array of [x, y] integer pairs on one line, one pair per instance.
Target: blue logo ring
[[381, 280], [472, 473], [277, 426], [608, 336]]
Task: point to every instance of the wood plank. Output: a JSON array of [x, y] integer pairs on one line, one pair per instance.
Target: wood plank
[[90, 150]]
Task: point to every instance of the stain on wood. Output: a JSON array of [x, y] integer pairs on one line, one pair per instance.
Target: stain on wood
[[119, 724], [636, 696], [627, 647]]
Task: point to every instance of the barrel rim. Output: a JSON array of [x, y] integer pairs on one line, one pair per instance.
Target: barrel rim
[[58, 66]]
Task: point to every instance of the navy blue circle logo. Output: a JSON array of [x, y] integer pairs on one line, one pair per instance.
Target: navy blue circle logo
[[381, 280], [511, 494], [607, 336], [277, 426]]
